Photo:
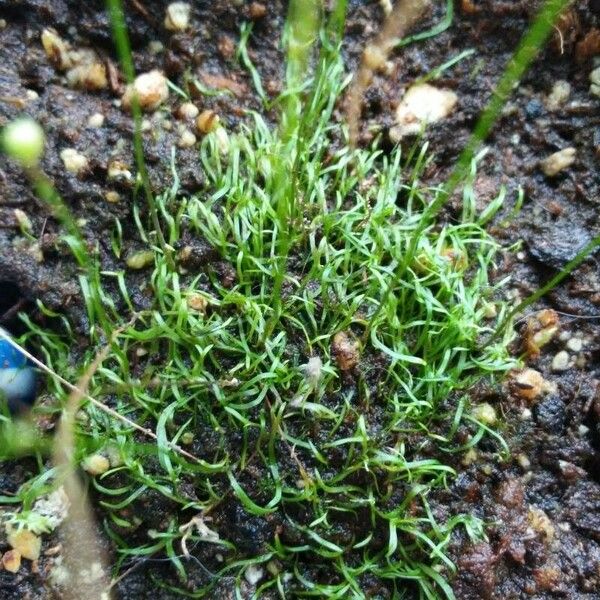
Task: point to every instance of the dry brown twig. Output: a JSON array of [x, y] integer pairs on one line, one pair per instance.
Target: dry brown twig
[[403, 16], [83, 555]]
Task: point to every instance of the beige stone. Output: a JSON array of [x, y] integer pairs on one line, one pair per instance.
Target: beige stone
[[151, 90], [422, 105]]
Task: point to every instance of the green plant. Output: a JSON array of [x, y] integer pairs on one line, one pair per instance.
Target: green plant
[[316, 369], [307, 257]]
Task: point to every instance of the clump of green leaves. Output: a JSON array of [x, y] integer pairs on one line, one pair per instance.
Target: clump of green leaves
[[238, 356], [308, 239]]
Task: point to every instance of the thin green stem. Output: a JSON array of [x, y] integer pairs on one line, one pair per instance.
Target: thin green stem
[[528, 49], [123, 48], [550, 285]]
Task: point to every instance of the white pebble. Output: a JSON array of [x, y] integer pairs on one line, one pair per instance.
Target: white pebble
[[575, 344], [561, 90], [96, 464], [155, 47], [422, 104], [559, 161], [560, 362], [583, 430], [112, 196], [188, 111], [119, 171], [150, 88], [177, 17], [95, 121], [485, 413], [187, 139], [74, 161], [253, 574]]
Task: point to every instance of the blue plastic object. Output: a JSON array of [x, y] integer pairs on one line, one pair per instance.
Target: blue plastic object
[[18, 377]]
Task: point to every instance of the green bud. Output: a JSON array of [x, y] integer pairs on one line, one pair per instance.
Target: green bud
[[23, 140]]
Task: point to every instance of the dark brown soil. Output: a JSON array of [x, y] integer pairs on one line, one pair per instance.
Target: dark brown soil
[[553, 476]]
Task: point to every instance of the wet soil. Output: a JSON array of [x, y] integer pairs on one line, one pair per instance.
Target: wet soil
[[543, 503]]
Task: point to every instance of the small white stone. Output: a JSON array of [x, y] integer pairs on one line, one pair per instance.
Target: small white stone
[[96, 464], [31, 95], [150, 88], [559, 161], [485, 413], [187, 139], [94, 573], [119, 171], [561, 90], [95, 121], [560, 362], [188, 111], [583, 430], [575, 344], [526, 414], [112, 196], [177, 17], [253, 574], [74, 161], [470, 457], [155, 47], [422, 104]]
